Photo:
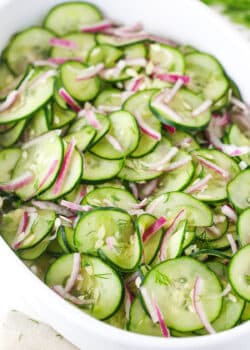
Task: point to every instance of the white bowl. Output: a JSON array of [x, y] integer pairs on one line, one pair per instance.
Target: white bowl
[[186, 21]]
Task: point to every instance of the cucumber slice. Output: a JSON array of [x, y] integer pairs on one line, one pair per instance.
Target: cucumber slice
[[111, 197], [97, 227], [188, 239], [34, 252], [139, 169], [174, 244], [170, 204], [222, 243], [39, 230], [83, 137], [26, 47], [177, 179], [81, 123], [239, 190], [70, 17], [10, 137], [124, 129], [140, 322], [109, 97], [37, 159], [246, 313], [239, 272], [238, 138], [61, 117], [139, 103], [31, 99], [58, 98], [243, 227], [84, 43], [73, 176], [151, 246], [177, 286], [65, 238], [82, 90], [207, 76], [97, 169], [167, 58], [216, 231], [37, 126], [135, 50], [6, 78], [8, 159], [106, 54], [117, 41], [54, 249], [118, 320], [183, 140], [183, 103], [101, 284], [216, 188]]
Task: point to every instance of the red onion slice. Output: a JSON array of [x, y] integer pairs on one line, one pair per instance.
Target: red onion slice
[[63, 43], [227, 290], [171, 229], [97, 27], [24, 234], [232, 243], [114, 142], [18, 182], [52, 206], [151, 230], [90, 72], [178, 164], [171, 129], [158, 166], [10, 100], [149, 304], [168, 111], [135, 84], [149, 188], [146, 129], [69, 100], [238, 103], [75, 207], [65, 167], [202, 108], [110, 241], [42, 63], [162, 324], [134, 190], [139, 205], [50, 172], [74, 273], [198, 286], [213, 166], [199, 185], [172, 77], [228, 211], [128, 301], [61, 60], [90, 115], [81, 194]]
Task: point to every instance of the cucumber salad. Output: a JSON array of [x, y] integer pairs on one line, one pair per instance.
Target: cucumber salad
[[125, 174]]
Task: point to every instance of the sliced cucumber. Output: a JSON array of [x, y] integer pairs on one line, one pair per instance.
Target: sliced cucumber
[[84, 43], [8, 159], [151, 246], [99, 279], [36, 160], [174, 281], [183, 140], [109, 98], [82, 90], [239, 190], [34, 252], [118, 320], [26, 47], [216, 188], [83, 137], [216, 231], [243, 228], [183, 103], [31, 99], [170, 204], [97, 169], [238, 138], [167, 58], [139, 104], [207, 76], [117, 41], [38, 125], [70, 17], [239, 272], [246, 313], [106, 54], [10, 137], [61, 117], [124, 129], [111, 197], [99, 226], [65, 238], [6, 78]]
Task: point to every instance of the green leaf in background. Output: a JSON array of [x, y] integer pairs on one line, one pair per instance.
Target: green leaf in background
[[237, 10]]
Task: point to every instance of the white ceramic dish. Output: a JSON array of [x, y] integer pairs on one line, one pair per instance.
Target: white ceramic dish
[[186, 21]]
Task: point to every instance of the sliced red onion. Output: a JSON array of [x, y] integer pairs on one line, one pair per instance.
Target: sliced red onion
[[139, 205], [214, 230], [151, 230], [114, 142], [135, 84], [110, 242], [185, 142], [171, 129], [149, 304], [161, 40], [178, 164], [172, 93], [97, 27], [90, 115], [42, 63], [162, 324], [125, 95], [224, 120], [69, 100], [202, 108], [74, 273], [238, 103], [235, 151], [213, 166], [169, 111], [198, 286], [65, 167], [52, 206], [172, 77], [81, 194], [75, 207], [226, 290], [158, 165], [149, 188], [10, 100], [26, 80], [199, 185], [232, 243], [77, 301], [156, 203], [39, 79], [108, 109], [63, 43], [171, 229], [134, 190], [134, 31], [17, 183], [228, 211], [146, 129], [23, 223], [128, 301], [90, 72], [61, 60], [38, 139], [24, 234], [135, 62], [50, 172]]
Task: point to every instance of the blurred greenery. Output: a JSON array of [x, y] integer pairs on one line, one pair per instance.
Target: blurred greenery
[[237, 10]]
